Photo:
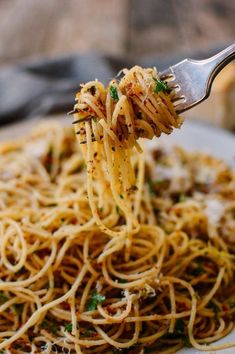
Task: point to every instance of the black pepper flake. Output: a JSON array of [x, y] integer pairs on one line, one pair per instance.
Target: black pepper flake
[[92, 90]]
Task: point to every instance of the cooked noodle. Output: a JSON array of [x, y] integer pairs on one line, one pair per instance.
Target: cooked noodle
[[113, 259]]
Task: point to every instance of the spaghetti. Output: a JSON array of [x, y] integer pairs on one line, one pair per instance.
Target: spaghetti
[[109, 123], [132, 262]]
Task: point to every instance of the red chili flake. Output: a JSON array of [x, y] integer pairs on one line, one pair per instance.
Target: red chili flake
[[42, 253], [210, 265], [225, 308], [90, 333], [183, 306], [129, 333], [110, 310], [65, 306], [157, 153], [135, 351]]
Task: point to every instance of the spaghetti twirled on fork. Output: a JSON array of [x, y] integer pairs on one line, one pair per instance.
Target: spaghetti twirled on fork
[[110, 251], [114, 119]]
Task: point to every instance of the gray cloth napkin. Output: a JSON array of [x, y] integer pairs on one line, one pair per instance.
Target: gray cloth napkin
[[49, 85]]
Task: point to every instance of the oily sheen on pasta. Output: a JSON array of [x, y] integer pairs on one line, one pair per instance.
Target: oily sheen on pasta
[[108, 250]]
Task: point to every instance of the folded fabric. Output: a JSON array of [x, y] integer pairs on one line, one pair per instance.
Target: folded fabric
[[49, 85]]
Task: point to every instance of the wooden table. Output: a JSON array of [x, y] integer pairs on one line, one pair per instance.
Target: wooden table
[[32, 28]]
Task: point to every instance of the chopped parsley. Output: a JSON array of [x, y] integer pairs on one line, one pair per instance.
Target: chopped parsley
[[68, 327], [159, 181], [179, 326], [121, 196], [79, 168], [151, 188], [122, 281], [3, 298], [161, 86], [182, 198], [179, 332], [18, 308], [232, 304], [95, 300], [49, 326], [117, 209], [198, 271], [89, 333], [212, 305], [152, 184], [113, 93]]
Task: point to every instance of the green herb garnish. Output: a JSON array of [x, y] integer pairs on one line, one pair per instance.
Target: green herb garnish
[[121, 196], [179, 332], [49, 326], [68, 327], [89, 333], [179, 327], [232, 304], [182, 198], [117, 209], [113, 93], [18, 308], [198, 271], [3, 298], [122, 281], [212, 305], [79, 168], [95, 300], [152, 184], [161, 86], [158, 181], [151, 188]]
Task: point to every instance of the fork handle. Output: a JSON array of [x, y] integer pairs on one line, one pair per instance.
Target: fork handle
[[216, 63]]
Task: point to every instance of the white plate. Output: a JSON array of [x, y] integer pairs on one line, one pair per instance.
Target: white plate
[[195, 136], [192, 136]]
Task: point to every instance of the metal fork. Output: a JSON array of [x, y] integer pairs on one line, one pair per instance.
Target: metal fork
[[191, 80]]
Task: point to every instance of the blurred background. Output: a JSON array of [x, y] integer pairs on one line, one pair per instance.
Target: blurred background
[[33, 28], [101, 36]]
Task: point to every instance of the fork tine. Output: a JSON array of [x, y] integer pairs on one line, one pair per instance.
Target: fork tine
[[195, 78], [166, 74], [178, 98]]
